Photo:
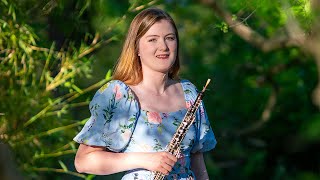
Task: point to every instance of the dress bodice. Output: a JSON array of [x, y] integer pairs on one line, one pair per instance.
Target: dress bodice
[[119, 124]]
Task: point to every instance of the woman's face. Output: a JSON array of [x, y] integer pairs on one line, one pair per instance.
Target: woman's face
[[158, 47]]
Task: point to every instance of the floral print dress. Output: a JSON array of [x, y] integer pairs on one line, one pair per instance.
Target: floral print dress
[[119, 124]]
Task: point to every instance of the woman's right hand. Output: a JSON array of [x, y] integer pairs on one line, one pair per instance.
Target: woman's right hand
[[101, 161], [159, 161]]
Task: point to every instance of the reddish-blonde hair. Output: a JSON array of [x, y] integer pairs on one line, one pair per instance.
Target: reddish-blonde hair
[[128, 68]]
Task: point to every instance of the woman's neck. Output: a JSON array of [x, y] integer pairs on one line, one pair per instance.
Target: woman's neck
[[155, 83]]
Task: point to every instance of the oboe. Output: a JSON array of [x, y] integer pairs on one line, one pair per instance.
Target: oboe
[[174, 145]]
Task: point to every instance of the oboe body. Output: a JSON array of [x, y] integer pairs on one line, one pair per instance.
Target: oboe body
[[174, 145]]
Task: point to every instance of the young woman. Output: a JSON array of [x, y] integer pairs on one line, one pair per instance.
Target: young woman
[[134, 116]]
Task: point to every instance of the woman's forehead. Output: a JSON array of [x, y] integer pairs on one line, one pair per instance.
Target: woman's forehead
[[162, 27]]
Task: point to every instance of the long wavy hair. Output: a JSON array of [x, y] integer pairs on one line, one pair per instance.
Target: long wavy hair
[[128, 67]]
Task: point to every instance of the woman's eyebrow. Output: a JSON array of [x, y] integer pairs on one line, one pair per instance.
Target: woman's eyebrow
[[171, 34], [153, 35]]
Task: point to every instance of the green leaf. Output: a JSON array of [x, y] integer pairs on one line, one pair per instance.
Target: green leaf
[[4, 23], [108, 75], [73, 147], [159, 129], [5, 2], [50, 101], [64, 167], [90, 176], [76, 88], [310, 129], [234, 17], [67, 84]]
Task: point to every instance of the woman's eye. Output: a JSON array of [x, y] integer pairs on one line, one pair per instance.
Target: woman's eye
[[152, 40], [171, 38]]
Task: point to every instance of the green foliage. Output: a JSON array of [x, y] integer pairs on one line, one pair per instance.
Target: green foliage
[[309, 130], [38, 90]]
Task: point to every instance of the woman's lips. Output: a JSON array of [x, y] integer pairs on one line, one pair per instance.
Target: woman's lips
[[163, 56]]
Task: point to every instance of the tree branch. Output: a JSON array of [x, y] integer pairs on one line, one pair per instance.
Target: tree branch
[[265, 116], [251, 36], [296, 37]]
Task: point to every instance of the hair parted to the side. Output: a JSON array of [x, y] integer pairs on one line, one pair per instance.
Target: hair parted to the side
[[128, 68]]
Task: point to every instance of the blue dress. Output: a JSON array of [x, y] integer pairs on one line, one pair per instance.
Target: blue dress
[[118, 123]]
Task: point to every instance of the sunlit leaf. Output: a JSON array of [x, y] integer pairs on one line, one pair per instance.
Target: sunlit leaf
[[64, 167]]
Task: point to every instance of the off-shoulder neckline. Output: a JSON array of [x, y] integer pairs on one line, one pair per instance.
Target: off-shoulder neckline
[[180, 81]]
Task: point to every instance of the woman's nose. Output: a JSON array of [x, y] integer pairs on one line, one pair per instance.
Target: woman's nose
[[163, 45]]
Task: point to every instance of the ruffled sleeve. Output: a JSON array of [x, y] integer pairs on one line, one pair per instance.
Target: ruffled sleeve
[[205, 139], [114, 113]]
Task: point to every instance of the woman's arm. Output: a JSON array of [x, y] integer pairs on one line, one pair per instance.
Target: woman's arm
[[97, 160], [198, 166]]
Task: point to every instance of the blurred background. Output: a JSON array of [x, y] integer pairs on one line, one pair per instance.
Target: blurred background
[[262, 55]]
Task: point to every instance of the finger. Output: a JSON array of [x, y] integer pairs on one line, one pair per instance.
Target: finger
[[169, 162], [172, 157], [167, 167], [163, 171], [163, 168]]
